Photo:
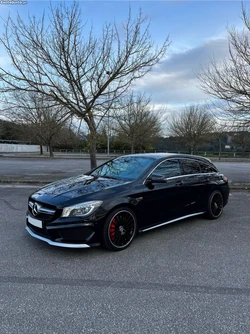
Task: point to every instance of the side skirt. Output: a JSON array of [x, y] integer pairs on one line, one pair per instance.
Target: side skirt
[[171, 221]]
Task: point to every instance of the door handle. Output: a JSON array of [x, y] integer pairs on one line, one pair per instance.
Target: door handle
[[179, 183]]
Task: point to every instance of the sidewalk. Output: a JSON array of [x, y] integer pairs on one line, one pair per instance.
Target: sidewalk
[[60, 155]]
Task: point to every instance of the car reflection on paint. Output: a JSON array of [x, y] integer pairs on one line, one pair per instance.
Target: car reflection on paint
[[134, 193]]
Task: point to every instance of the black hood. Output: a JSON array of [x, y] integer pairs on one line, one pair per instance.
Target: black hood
[[74, 187]]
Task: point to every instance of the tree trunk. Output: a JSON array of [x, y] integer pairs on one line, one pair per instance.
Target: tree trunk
[[41, 149], [243, 150], [93, 140], [219, 148], [51, 154], [190, 149], [92, 150], [132, 147]]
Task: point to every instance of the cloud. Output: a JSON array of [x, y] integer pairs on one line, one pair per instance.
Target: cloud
[[174, 81]]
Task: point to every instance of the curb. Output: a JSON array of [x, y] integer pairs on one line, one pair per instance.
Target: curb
[[238, 186]]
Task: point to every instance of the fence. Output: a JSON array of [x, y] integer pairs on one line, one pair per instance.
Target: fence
[[225, 154], [19, 148], [25, 148]]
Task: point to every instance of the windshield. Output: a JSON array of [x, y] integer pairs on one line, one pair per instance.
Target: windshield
[[124, 168]]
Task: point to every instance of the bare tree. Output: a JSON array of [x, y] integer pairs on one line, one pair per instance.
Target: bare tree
[[191, 125], [41, 121], [229, 81], [137, 122], [86, 74]]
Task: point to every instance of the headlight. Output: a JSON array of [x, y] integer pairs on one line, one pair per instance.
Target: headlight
[[81, 210]]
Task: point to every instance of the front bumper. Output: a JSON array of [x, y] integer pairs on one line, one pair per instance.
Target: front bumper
[[66, 233], [56, 243]]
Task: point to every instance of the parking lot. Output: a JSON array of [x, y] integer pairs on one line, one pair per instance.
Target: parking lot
[[188, 277]]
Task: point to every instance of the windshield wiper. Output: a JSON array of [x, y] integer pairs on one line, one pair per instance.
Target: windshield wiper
[[110, 177], [95, 177]]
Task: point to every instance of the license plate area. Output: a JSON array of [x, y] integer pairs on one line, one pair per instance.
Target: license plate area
[[35, 222]]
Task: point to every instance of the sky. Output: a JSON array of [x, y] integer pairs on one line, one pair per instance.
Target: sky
[[197, 31]]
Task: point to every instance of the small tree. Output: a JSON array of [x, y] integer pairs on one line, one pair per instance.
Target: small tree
[[41, 121], [241, 137], [191, 125], [74, 69], [137, 123]]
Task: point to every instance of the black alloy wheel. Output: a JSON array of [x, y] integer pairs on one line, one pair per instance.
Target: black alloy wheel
[[215, 205], [119, 229]]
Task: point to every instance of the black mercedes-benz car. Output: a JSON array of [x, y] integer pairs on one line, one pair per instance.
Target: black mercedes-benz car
[[134, 193]]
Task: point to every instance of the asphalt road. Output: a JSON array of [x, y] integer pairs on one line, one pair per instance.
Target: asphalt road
[[46, 170], [235, 171], [42, 169], [188, 277]]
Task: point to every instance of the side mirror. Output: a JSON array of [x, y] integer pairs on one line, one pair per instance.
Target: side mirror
[[153, 180]]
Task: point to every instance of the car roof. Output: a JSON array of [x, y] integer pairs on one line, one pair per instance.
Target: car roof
[[163, 155]]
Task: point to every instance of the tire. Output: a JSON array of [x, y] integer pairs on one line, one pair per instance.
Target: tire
[[215, 205], [119, 229]]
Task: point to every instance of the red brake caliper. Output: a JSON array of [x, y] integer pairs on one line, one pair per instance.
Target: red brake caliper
[[112, 229]]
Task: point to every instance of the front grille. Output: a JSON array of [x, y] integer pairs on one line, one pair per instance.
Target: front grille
[[42, 211]]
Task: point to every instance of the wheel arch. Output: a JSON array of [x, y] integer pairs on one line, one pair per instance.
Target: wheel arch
[[122, 205], [214, 213], [120, 239], [224, 190], [127, 202]]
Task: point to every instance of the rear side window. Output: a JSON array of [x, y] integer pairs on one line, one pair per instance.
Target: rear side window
[[206, 168], [167, 169], [190, 166]]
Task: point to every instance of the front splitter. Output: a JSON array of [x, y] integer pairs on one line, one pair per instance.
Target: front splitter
[[54, 243]]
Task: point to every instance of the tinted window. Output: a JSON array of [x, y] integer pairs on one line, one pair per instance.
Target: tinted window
[[168, 168], [206, 168], [190, 166], [124, 168]]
